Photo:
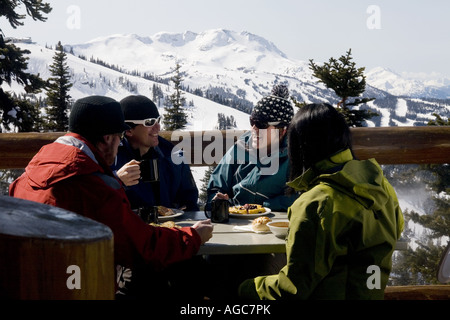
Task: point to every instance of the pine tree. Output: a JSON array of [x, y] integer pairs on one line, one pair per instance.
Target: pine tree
[[203, 195], [29, 113], [422, 263], [175, 117], [58, 98], [225, 122], [347, 81], [157, 94], [13, 63]]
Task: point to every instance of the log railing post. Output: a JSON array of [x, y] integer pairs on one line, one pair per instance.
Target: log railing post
[[47, 253]]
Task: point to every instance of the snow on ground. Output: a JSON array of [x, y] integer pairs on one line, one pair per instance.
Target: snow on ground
[[385, 114], [402, 108]]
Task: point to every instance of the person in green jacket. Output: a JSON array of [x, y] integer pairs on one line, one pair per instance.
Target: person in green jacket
[[344, 226], [255, 170]]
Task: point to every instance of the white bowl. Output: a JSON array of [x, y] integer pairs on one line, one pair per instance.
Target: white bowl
[[279, 227]]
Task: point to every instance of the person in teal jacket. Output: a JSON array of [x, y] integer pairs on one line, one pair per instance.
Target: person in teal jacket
[[344, 226], [255, 170]]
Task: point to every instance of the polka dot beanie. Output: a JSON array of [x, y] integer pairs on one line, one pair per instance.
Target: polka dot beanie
[[275, 107]]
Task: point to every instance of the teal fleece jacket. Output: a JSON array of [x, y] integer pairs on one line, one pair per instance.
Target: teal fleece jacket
[[250, 178]]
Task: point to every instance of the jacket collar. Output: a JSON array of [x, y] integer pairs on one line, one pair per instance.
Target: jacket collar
[[338, 159], [90, 150], [76, 141]]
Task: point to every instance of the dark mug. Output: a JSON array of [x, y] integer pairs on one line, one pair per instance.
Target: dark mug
[[149, 170], [218, 210], [148, 214]]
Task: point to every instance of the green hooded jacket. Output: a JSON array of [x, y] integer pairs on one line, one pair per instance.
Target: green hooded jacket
[[342, 232]]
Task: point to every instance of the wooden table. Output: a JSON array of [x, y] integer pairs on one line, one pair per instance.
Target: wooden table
[[227, 240]]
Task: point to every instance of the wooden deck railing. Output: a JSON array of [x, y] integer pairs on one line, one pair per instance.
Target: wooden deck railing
[[388, 145]]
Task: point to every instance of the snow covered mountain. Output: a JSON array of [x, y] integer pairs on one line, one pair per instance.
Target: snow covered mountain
[[400, 85], [245, 66], [214, 58], [237, 66]]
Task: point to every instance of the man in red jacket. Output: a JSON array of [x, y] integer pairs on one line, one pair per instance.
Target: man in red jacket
[[74, 173]]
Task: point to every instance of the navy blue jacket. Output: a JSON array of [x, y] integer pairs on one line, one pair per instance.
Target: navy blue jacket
[[177, 187]]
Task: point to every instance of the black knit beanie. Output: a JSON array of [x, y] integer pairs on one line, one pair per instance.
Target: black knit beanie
[[95, 116], [275, 107], [138, 108]]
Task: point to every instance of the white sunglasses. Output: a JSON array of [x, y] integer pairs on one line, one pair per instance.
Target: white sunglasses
[[150, 122]]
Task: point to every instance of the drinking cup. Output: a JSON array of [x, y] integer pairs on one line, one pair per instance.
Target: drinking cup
[[218, 210]]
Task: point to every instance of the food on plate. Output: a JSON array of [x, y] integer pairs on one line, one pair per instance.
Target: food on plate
[[166, 224], [163, 211], [260, 224], [248, 209]]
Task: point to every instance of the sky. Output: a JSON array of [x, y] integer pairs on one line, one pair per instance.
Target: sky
[[406, 36]]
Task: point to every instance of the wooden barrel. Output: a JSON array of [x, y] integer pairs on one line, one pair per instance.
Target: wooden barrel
[[53, 254]]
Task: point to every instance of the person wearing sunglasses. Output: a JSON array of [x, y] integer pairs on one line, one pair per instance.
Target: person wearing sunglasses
[[74, 173], [242, 174], [144, 162], [243, 177]]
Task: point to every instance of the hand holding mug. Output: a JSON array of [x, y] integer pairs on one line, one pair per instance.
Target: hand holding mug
[[218, 209], [130, 173], [222, 196]]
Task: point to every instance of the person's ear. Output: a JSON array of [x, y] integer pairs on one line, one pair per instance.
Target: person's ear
[[129, 133], [107, 139], [283, 132]]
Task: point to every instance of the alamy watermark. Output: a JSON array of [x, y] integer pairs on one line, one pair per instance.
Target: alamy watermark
[[373, 22], [374, 280], [74, 280], [261, 148], [73, 21]]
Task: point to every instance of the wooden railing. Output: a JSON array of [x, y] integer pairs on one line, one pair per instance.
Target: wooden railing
[[388, 145]]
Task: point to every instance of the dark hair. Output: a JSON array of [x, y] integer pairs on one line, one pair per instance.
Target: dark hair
[[316, 132]]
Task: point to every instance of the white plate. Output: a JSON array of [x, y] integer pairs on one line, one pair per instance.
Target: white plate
[[178, 213], [248, 228], [250, 215]]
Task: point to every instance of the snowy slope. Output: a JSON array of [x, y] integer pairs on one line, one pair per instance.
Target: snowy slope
[[241, 65], [410, 86], [215, 57], [246, 66], [93, 79], [239, 60]]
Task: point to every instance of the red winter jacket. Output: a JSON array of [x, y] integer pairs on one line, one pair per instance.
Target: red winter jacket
[[70, 173]]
